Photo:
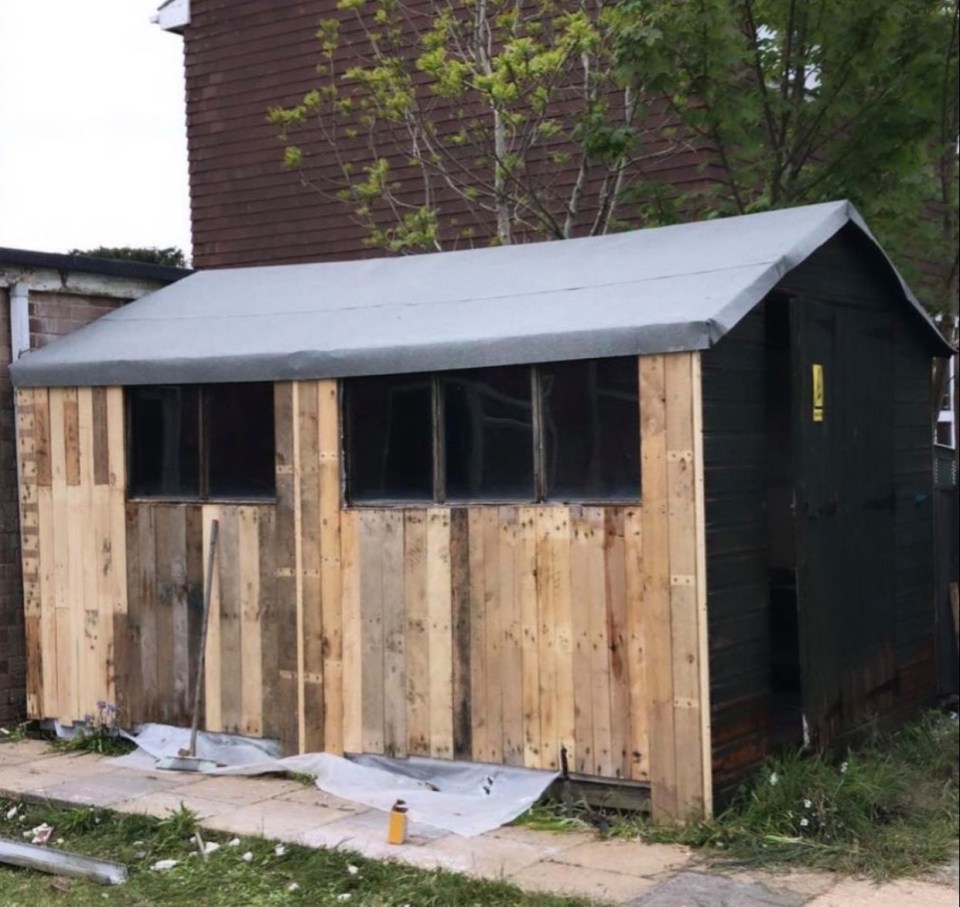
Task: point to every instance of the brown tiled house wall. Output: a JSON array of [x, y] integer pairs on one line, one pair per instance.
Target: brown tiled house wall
[[242, 57], [52, 315]]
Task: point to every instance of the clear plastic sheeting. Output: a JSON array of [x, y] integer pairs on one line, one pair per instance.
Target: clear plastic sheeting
[[462, 797]]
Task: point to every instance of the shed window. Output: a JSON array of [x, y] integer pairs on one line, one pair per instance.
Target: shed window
[[553, 432], [591, 428], [201, 442]]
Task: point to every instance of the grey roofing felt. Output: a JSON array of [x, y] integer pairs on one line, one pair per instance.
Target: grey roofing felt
[[657, 290]]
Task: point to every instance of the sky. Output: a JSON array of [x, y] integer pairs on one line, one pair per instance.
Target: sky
[[93, 147]]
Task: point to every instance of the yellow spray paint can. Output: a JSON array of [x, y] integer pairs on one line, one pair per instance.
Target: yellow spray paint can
[[397, 826]]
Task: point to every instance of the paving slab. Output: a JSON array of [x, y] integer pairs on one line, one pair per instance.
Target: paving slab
[[28, 780], [599, 885], [272, 819], [809, 883], [106, 789], [629, 857], [71, 763], [166, 802], [694, 889], [313, 796], [21, 751], [233, 788], [862, 893]]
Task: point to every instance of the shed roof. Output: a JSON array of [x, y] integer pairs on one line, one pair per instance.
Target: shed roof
[[647, 291]]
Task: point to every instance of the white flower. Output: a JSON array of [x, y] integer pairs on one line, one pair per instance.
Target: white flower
[[210, 847], [293, 886], [804, 823], [233, 842], [247, 857], [279, 850], [774, 778], [352, 869], [12, 812], [163, 865], [344, 897], [843, 768], [807, 804]]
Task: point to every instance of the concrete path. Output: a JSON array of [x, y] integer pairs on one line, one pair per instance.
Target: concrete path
[[580, 863]]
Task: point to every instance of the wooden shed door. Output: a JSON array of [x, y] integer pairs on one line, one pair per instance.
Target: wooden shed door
[[843, 456]]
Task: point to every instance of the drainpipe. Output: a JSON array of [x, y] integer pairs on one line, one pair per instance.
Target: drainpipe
[[19, 320]]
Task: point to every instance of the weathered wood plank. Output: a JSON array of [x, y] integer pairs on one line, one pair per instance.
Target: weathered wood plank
[[479, 730], [439, 603], [272, 697], [371, 629], [460, 629], [248, 568], [288, 645], [394, 625], [547, 607], [617, 642], [101, 437], [636, 644], [71, 434], [47, 705], [416, 643], [351, 630], [41, 435], [493, 642], [307, 475], [213, 673]]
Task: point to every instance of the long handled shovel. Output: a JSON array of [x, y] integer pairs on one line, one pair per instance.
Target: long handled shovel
[[188, 761]]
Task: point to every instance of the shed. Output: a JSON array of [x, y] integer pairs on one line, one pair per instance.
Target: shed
[[643, 505]]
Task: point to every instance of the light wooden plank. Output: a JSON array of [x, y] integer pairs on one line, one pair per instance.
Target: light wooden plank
[[371, 629], [601, 640], [566, 721], [655, 588], [213, 673], [547, 529], [416, 644], [351, 632], [248, 567], [394, 625], [330, 566], [439, 605], [703, 655], [525, 578], [511, 661], [683, 594], [589, 652], [230, 569], [295, 392], [636, 644], [97, 620]]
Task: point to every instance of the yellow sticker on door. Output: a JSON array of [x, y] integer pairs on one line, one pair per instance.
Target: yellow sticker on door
[[817, 392]]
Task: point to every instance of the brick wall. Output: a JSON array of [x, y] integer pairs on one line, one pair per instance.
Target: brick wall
[[51, 315]]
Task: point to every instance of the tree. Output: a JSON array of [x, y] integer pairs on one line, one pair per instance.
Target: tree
[[170, 256], [800, 101], [506, 113]]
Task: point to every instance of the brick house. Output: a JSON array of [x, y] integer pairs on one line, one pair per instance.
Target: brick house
[[44, 296]]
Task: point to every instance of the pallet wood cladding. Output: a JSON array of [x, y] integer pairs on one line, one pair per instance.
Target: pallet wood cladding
[[503, 634]]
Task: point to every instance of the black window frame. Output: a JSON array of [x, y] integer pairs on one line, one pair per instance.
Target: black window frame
[[203, 464], [541, 492]]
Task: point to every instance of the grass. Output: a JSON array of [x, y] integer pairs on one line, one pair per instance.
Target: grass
[[293, 876], [886, 809]]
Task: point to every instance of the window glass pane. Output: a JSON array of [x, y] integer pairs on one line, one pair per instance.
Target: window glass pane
[[239, 434], [164, 441], [591, 423], [488, 429], [389, 438]]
